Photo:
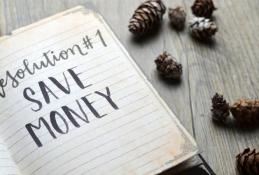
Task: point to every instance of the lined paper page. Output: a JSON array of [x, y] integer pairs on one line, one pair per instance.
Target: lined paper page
[[7, 165], [74, 102]]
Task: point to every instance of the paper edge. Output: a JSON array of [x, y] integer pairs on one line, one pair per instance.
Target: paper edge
[[150, 86], [166, 107]]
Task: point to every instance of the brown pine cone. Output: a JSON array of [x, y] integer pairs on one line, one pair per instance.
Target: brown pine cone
[[246, 111], [146, 17], [202, 28], [168, 67], [203, 8], [220, 108], [248, 162], [177, 17]]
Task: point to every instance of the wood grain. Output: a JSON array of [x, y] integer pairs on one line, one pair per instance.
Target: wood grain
[[229, 64]]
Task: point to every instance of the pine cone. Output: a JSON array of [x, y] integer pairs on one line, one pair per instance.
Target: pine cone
[[248, 162], [202, 28], [146, 17], [203, 8], [246, 111], [177, 17], [168, 67], [220, 108]]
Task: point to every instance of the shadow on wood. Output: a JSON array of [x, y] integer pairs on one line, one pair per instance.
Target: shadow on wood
[[178, 31], [209, 43], [169, 81], [231, 124]]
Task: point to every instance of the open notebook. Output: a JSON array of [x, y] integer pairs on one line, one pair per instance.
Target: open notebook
[[74, 102]]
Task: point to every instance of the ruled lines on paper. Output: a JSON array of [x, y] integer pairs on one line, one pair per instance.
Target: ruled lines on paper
[[7, 165], [89, 111]]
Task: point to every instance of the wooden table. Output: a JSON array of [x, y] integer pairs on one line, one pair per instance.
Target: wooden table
[[229, 65]]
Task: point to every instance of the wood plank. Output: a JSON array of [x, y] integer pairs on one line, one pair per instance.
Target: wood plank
[[229, 66]]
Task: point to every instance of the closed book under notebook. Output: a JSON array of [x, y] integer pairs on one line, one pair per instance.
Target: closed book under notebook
[[74, 102]]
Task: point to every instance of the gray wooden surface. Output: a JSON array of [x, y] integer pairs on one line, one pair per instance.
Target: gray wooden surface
[[229, 65]]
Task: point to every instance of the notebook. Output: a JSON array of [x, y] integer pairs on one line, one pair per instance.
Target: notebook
[[74, 102]]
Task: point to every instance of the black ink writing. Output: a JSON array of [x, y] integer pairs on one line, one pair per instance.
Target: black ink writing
[[47, 92], [26, 95], [99, 34], [68, 114], [48, 58], [107, 96], [30, 127]]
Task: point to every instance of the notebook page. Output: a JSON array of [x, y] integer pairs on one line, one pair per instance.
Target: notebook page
[[74, 102], [7, 165]]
